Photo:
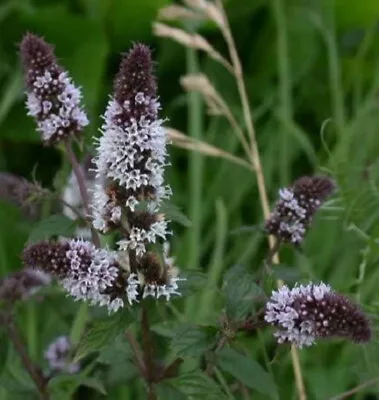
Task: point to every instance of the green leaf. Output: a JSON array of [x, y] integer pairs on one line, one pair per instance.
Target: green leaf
[[194, 281], [55, 225], [166, 391], [174, 213], [247, 371], [65, 384], [192, 340], [79, 323], [116, 358], [288, 274], [241, 292], [17, 381], [94, 383], [166, 328], [196, 385], [118, 350], [102, 334]]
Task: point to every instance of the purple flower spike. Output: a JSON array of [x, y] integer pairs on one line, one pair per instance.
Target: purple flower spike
[[294, 211], [131, 153], [306, 313], [52, 99], [22, 284], [85, 272]]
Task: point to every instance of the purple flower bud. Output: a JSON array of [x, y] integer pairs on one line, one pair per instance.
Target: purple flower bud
[[52, 99], [58, 356], [85, 272], [294, 211], [135, 84], [27, 195], [306, 313], [22, 284], [131, 154]]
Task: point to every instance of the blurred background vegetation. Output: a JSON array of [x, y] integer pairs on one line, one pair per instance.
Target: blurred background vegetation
[[312, 73]]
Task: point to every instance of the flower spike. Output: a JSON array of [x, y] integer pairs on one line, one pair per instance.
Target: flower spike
[[52, 99]]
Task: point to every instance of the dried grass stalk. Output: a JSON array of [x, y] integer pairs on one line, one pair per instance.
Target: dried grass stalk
[[210, 10], [217, 105], [194, 41], [179, 139], [174, 12]]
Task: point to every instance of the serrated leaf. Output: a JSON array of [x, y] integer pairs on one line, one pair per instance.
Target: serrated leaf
[[101, 334], [247, 371], [94, 383], [193, 281], [193, 340], [55, 225], [241, 292], [116, 358], [117, 351], [196, 385]]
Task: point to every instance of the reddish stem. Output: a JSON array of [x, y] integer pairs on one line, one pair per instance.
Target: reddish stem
[[33, 370]]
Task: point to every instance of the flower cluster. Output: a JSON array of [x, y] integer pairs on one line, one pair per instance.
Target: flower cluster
[[22, 284], [131, 152], [305, 313], [57, 356], [130, 161], [52, 98], [296, 207], [126, 181], [85, 272]]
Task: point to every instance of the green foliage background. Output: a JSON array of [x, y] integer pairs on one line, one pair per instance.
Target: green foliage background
[[312, 73]]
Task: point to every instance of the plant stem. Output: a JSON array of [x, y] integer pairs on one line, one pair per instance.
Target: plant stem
[[137, 352], [148, 354], [223, 383], [256, 162], [144, 357], [358, 388], [33, 370], [82, 187]]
